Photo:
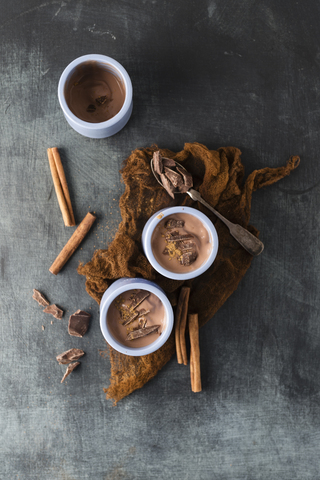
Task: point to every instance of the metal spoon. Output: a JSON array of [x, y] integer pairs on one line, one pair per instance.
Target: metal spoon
[[248, 241]]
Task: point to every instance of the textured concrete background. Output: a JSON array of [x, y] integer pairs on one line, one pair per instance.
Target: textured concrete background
[[219, 72]]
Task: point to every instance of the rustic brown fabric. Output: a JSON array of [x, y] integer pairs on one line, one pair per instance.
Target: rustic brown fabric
[[218, 176]]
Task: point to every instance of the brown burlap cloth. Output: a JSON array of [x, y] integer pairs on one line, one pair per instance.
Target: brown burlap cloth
[[218, 175]]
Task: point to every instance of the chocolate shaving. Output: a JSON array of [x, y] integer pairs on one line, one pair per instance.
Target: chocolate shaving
[[40, 298], [91, 108], [102, 99], [172, 235], [174, 177], [79, 323], [187, 258], [173, 223], [70, 369], [143, 312], [142, 332], [137, 298], [157, 163], [178, 238], [187, 180], [167, 185], [55, 311], [183, 246], [168, 162], [69, 356], [128, 319]]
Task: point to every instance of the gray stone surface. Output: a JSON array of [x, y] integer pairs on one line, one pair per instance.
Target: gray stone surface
[[219, 72]]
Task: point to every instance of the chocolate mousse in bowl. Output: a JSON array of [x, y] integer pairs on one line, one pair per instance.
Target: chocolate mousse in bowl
[[180, 242], [95, 94], [136, 317]]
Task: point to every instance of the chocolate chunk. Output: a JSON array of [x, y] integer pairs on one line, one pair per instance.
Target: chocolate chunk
[[187, 258], [142, 332], [102, 99], [174, 177], [55, 311], [40, 298], [91, 108], [70, 355], [168, 162], [137, 298], [173, 223], [79, 323], [187, 180], [70, 369], [178, 238], [157, 163], [167, 185]]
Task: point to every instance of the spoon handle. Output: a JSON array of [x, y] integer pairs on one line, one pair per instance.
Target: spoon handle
[[248, 241]]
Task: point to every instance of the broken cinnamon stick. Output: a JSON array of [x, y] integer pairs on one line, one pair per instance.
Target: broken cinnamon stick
[[61, 186], [180, 325], [195, 372], [73, 243]]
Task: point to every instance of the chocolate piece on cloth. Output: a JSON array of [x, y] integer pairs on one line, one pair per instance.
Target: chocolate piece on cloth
[[79, 323], [218, 176]]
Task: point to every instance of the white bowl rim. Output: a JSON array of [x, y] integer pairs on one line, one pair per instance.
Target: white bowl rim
[[122, 73], [158, 217], [150, 287]]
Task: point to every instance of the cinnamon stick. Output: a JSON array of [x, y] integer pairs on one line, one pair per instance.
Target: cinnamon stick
[[180, 325], [195, 372], [63, 182], [61, 187], [191, 371], [74, 242]]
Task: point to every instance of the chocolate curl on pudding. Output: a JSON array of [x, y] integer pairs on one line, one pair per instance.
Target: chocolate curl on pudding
[[142, 332]]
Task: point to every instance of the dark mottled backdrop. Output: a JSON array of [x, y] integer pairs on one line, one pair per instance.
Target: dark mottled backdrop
[[218, 72]]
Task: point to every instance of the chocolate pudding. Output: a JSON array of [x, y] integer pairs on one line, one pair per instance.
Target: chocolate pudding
[[94, 93], [136, 318], [180, 243]]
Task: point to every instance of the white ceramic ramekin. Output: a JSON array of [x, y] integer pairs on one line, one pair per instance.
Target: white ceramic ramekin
[[114, 124], [151, 225], [123, 285]]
